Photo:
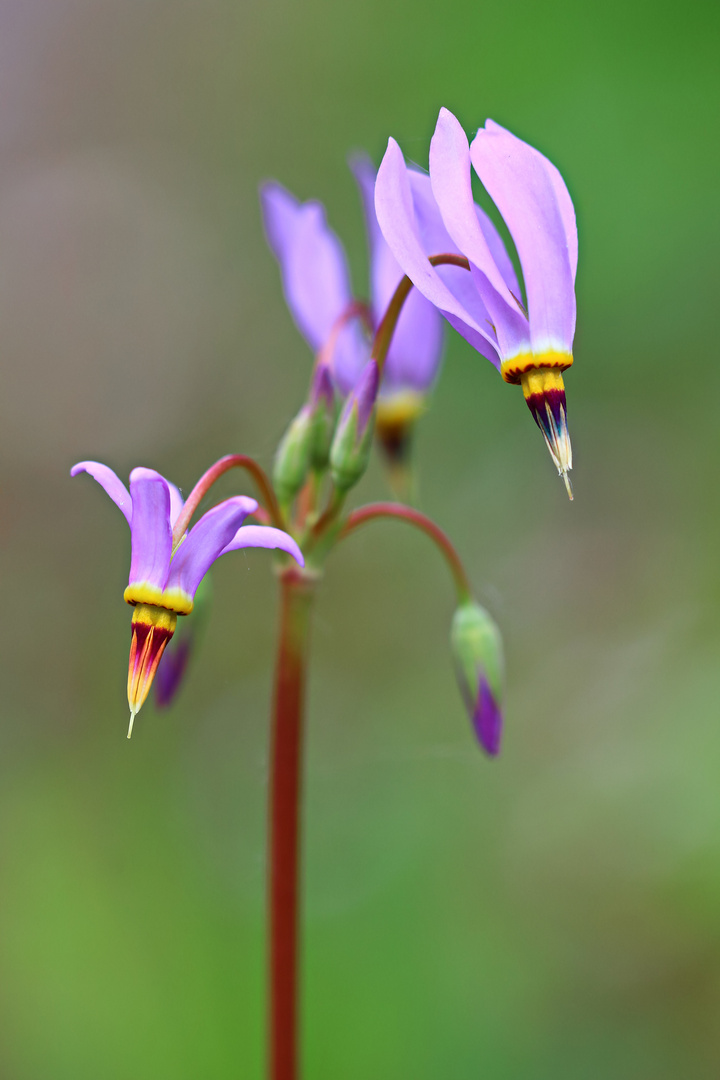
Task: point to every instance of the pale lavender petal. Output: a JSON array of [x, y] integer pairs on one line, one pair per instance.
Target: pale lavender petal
[[487, 719], [524, 192], [112, 484], [205, 542], [150, 528], [396, 216], [176, 502], [565, 203], [314, 273], [263, 536], [450, 176], [416, 348]]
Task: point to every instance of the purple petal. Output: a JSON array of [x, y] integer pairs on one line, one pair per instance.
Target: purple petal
[[315, 275], [524, 192], [205, 542], [176, 502], [150, 528], [397, 219], [107, 479], [565, 204], [263, 536], [487, 719], [450, 175], [416, 348]]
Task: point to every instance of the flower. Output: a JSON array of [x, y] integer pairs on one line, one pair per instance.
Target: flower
[[529, 346], [318, 292], [479, 666], [165, 574]]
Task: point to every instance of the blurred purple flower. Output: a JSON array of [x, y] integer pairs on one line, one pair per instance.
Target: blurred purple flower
[[164, 577], [532, 346], [318, 292]]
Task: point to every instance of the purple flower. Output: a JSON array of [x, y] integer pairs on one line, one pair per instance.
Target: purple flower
[[530, 344], [318, 292], [165, 576]]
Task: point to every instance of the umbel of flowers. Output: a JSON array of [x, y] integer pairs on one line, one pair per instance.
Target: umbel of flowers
[[434, 255]]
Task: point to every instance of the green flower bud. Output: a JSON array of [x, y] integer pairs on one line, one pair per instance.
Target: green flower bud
[[351, 446], [292, 459], [479, 665]]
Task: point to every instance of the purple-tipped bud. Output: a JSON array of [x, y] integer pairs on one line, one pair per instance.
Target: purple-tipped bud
[[350, 451], [487, 719], [321, 403], [478, 654]]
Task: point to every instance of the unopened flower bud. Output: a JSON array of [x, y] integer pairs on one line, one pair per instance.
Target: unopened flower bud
[[322, 405], [478, 654], [350, 450], [292, 459]]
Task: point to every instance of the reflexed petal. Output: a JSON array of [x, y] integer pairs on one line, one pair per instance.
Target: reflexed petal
[[450, 175], [415, 351], [151, 535], [176, 502], [263, 536], [204, 544], [397, 219], [525, 193], [565, 204], [314, 273], [107, 479]]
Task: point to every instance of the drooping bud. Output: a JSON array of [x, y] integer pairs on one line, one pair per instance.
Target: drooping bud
[[350, 450], [152, 628], [322, 405], [544, 392], [170, 674], [478, 655]]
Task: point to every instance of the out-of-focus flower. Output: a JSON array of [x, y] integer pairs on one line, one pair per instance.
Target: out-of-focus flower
[[478, 654], [318, 292], [165, 576], [529, 346]]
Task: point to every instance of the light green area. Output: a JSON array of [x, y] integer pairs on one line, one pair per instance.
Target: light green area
[[553, 915]]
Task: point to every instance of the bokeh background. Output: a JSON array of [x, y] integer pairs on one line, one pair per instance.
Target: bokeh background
[[555, 913]]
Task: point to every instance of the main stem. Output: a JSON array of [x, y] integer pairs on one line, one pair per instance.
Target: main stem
[[285, 793]]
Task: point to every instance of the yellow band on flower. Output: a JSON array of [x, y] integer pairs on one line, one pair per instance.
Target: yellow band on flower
[[175, 600], [513, 370]]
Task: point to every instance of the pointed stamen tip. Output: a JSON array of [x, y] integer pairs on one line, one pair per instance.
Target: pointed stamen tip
[[132, 721], [568, 485]]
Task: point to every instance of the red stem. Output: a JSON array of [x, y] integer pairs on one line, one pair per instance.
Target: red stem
[[206, 481], [386, 329], [413, 517], [285, 794]]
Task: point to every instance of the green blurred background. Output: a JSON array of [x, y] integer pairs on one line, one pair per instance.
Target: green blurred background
[[553, 914]]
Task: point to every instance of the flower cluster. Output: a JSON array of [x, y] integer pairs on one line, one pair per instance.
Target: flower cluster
[[434, 254]]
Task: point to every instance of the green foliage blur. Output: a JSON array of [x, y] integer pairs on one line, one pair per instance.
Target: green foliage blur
[[551, 915]]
